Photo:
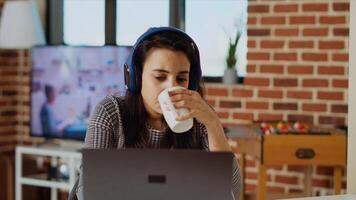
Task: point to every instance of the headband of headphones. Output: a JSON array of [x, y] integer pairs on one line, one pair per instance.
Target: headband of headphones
[[133, 73]]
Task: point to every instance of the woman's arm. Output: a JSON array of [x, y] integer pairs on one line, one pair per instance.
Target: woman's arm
[[101, 133], [199, 109]]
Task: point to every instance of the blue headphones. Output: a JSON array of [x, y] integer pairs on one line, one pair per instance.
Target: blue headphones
[[133, 73]]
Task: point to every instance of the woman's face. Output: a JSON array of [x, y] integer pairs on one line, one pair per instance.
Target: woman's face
[[162, 69]]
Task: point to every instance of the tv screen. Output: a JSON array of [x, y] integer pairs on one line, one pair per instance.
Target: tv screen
[[66, 84]]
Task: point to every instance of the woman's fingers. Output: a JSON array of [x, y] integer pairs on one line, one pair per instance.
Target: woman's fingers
[[185, 116]]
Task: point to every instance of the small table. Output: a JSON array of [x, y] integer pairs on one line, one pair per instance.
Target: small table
[[333, 197], [293, 149]]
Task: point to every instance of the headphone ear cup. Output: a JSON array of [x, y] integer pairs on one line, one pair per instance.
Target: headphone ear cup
[[127, 76]]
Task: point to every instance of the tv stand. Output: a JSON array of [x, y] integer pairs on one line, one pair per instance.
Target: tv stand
[[58, 155], [63, 144]]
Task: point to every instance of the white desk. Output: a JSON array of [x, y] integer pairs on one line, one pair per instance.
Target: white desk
[[333, 197]]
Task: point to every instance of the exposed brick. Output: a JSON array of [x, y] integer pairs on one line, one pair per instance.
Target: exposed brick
[[230, 104], [217, 91], [300, 69], [299, 95], [330, 95], [242, 92], [286, 179], [7, 83], [341, 6], [331, 45], [251, 43], [285, 56], [8, 113], [332, 20], [211, 102], [250, 163], [7, 133], [9, 54], [321, 183], [302, 20], [257, 105], [285, 82], [250, 175], [339, 108], [254, 81], [223, 115], [295, 191], [251, 68], [8, 62], [313, 7], [270, 117], [301, 118], [337, 121], [285, 106], [9, 122], [315, 32], [315, 56], [275, 69], [273, 20], [340, 83], [321, 170], [250, 187], [276, 94], [340, 57], [242, 116], [258, 32], [258, 8], [314, 107], [275, 189], [257, 56], [272, 44], [296, 168], [286, 32], [315, 83], [275, 167], [341, 31], [286, 8], [252, 20], [301, 44], [331, 70]]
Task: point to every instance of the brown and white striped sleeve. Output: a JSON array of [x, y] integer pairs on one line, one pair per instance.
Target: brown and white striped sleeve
[[104, 131], [236, 176]]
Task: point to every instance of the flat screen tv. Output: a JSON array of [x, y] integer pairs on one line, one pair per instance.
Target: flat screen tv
[[66, 84]]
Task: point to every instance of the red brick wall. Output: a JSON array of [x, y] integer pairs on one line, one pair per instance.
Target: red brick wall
[[14, 98], [297, 70]]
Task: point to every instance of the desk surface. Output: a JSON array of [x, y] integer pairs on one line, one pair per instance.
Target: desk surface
[[334, 197]]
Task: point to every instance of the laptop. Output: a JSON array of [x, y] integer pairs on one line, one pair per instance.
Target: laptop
[[133, 174]]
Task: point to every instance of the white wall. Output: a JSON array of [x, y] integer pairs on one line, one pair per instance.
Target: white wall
[[351, 152]]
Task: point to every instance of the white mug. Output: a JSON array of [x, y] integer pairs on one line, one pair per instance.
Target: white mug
[[170, 112]]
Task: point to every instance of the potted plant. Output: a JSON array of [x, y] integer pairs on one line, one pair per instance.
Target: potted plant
[[230, 74]]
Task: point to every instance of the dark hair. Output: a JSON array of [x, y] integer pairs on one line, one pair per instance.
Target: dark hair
[[136, 115], [48, 89]]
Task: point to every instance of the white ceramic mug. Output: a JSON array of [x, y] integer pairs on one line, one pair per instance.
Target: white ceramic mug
[[170, 112]]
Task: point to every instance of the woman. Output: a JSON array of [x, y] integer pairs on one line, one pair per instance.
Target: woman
[[161, 58]]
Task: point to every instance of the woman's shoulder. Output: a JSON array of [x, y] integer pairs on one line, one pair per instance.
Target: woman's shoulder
[[111, 102], [111, 105]]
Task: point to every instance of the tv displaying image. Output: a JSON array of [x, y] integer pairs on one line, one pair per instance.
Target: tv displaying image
[[66, 84]]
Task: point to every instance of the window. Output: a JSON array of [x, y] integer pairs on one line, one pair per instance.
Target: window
[[84, 22], [210, 24], [135, 17]]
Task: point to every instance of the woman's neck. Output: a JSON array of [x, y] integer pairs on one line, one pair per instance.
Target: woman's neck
[[157, 123]]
